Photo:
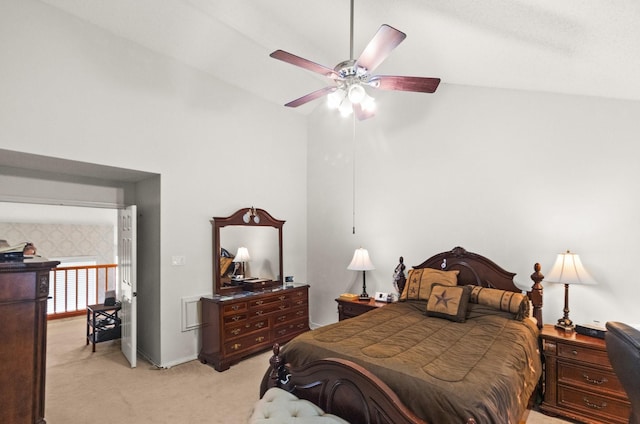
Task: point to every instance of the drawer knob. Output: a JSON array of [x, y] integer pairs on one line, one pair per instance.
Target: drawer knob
[[236, 346], [593, 405], [235, 331], [574, 352], [236, 318], [259, 339], [282, 297], [259, 302], [282, 318], [260, 324], [235, 307], [594, 381]]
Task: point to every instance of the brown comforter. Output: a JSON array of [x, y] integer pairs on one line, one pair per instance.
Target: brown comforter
[[446, 372]]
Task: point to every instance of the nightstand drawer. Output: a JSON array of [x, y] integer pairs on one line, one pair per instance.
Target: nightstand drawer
[[583, 354], [590, 378], [355, 309], [604, 408]]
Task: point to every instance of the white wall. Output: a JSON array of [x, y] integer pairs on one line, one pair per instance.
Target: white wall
[[72, 91], [515, 176]]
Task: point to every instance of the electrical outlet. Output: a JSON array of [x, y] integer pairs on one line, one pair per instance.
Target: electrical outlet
[[178, 260]]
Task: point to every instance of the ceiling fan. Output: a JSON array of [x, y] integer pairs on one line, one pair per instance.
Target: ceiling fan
[[350, 77]]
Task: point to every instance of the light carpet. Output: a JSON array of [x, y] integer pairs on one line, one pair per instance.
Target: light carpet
[[85, 387]]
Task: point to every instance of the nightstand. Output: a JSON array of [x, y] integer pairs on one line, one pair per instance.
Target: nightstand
[[353, 308], [579, 381]]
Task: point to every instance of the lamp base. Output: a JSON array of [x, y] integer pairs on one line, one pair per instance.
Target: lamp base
[[565, 324], [364, 297]]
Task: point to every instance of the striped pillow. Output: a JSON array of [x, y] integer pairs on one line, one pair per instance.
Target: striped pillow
[[502, 300]]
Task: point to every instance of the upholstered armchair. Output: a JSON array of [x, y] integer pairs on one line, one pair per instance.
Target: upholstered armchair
[[623, 348]]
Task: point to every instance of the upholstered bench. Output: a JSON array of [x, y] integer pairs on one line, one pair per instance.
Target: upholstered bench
[[278, 406]]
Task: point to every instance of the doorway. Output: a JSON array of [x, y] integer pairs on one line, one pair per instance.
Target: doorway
[[40, 180]]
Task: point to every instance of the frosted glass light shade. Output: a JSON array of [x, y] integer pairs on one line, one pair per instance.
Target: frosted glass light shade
[[356, 93]]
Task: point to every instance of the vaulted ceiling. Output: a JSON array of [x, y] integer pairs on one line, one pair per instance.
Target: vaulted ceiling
[[582, 47]]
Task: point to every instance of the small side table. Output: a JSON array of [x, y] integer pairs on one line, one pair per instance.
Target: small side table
[[579, 381], [353, 308], [103, 323]]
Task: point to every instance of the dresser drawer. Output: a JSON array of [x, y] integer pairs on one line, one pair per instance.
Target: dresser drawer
[[603, 408], [269, 308], [290, 315], [235, 319], [300, 294], [591, 379], [247, 342], [290, 328], [583, 354], [232, 331], [267, 301], [235, 308]]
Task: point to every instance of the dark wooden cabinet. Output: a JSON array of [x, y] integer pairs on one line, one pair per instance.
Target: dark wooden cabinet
[[235, 326], [579, 381], [24, 288], [353, 308]]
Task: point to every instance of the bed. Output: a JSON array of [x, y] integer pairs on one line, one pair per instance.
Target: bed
[[461, 346]]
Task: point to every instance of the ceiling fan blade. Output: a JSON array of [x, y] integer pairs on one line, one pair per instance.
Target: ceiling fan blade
[[311, 96], [304, 63], [390, 82], [381, 45], [362, 114]]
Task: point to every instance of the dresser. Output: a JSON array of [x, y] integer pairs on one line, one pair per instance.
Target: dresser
[[24, 287], [237, 325], [579, 381]]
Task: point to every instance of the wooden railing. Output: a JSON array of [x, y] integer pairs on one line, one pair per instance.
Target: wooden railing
[[72, 288]]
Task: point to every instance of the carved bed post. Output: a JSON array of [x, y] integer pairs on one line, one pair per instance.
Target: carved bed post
[[278, 373], [535, 295]]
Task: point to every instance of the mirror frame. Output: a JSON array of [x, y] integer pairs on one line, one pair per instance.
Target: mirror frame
[[266, 220]]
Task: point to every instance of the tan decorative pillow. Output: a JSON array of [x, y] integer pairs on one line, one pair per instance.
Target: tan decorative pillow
[[448, 302], [419, 281], [502, 300]]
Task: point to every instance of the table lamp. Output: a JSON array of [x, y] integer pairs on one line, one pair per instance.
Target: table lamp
[[568, 269], [241, 257], [361, 262]]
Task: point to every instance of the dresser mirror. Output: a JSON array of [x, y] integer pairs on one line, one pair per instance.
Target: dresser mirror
[[257, 231]]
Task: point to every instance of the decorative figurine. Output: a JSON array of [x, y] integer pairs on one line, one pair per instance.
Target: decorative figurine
[[399, 280]]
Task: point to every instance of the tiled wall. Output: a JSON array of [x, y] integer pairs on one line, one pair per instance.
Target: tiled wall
[[64, 240]]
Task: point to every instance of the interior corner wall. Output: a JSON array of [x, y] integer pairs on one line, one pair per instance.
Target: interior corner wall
[[148, 299], [516, 176], [74, 91]]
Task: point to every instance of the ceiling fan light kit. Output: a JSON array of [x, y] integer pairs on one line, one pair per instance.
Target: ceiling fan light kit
[[350, 77]]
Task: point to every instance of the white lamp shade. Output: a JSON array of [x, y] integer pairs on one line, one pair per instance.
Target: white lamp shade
[[568, 269], [361, 261], [242, 255]]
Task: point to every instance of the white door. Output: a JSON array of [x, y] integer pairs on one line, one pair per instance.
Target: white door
[[127, 280]]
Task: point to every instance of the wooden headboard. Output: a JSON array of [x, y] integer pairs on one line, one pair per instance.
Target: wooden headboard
[[478, 270]]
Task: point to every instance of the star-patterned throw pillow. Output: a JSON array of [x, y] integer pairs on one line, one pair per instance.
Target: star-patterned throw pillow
[[419, 281], [449, 302]]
